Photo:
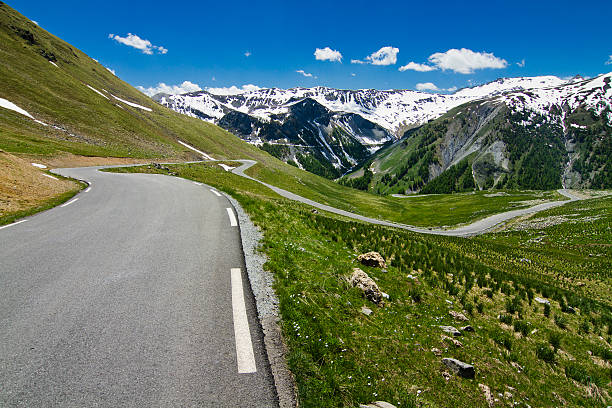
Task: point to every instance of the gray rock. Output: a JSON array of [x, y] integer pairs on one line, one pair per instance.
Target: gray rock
[[372, 259], [467, 328], [465, 370], [458, 316], [542, 301], [366, 311], [361, 280], [451, 330]]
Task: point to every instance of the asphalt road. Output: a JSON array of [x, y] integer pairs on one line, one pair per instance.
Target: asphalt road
[[476, 228], [124, 297]]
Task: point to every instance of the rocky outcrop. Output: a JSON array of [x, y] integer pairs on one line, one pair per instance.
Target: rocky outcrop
[[451, 330], [373, 259], [378, 404], [460, 368], [360, 279], [458, 316]]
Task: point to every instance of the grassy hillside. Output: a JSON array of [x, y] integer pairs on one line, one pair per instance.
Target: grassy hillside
[[530, 353]]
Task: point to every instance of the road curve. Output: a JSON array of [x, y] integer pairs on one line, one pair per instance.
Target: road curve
[[476, 228], [123, 297]]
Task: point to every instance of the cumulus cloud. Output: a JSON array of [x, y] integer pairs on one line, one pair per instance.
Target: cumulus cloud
[[427, 86], [112, 71], [327, 54], [356, 61], [247, 54], [465, 61], [306, 74], [413, 66], [384, 56], [35, 22], [132, 40], [451, 89], [185, 87], [233, 90], [521, 64], [609, 61]]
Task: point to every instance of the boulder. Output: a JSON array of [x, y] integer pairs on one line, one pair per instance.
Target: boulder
[[458, 316], [455, 342], [372, 259], [361, 280], [451, 330], [542, 301], [467, 328], [464, 370], [436, 351]]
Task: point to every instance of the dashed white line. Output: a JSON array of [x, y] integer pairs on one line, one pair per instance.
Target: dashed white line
[[69, 202], [215, 192], [197, 184], [10, 225], [50, 176], [242, 334], [232, 217]]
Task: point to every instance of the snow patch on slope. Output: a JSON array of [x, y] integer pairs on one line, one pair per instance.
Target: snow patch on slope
[[6, 104]]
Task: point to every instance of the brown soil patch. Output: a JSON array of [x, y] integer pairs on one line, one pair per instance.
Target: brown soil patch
[[24, 186]]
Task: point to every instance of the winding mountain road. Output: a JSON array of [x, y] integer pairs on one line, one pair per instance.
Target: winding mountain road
[[132, 294], [476, 228]]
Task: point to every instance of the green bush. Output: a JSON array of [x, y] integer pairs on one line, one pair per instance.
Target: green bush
[[577, 372], [545, 353], [502, 338], [546, 310], [504, 318], [522, 327], [561, 321], [554, 338]]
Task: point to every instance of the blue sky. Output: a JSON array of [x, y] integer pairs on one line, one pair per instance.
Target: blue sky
[[455, 43]]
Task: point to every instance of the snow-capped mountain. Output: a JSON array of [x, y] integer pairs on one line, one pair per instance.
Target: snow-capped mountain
[[386, 115]]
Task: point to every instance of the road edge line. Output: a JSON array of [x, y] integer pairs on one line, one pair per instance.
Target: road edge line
[[260, 285]]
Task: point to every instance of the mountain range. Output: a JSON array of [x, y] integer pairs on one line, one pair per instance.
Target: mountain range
[[331, 131]]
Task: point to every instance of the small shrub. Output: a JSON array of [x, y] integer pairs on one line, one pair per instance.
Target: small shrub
[[415, 293], [522, 327], [479, 307], [469, 307], [489, 293], [546, 310], [545, 353], [554, 338], [584, 327], [502, 338], [561, 321], [577, 372], [504, 318]]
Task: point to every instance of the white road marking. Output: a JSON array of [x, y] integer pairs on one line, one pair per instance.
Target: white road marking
[[88, 189], [232, 217], [10, 225], [69, 202], [40, 166], [215, 192], [242, 334], [195, 150], [197, 184], [50, 176]]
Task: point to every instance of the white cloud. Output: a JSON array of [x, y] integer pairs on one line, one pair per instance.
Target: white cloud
[[609, 61], [233, 90], [327, 54], [427, 86], [413, 66], [451, 89], [247, 54], [132, 40], [355, 61], [353, 74], [384, 56], [185, 87], [306, 74], [521, 64], [465, 61], [35, 22], [112, 71]]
